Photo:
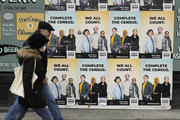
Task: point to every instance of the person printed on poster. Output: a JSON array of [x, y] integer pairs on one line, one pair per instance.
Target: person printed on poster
[[158, 38], [166, 87], [103, 1], [166, 43], [102, 42], [148, 3], [125, 42], [103, 88], [93, 4], [70, 89], [115, 42], [84, 88], [118, 2], [156, 96], [71, 41], [125, 87], [94, 39], [62, 38], [134, 40], [147, 88], [83, 3], [85, 42], [52, 45], [148, 43], [158, 3], [135, 1], [54, 87], [93, 95], [116, 89], [133, 89], [168, 1], [62, 85], [53, 2]]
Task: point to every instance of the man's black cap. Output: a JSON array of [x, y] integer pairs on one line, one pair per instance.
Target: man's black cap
[[45, 25]]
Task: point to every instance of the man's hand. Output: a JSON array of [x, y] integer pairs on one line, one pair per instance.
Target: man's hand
[[45, 81]]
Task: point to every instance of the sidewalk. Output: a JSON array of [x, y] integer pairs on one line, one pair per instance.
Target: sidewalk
[[89, 114]]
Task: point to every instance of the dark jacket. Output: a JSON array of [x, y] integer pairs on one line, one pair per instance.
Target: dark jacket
[[166, 43], [102, 90], [117, 43], [44, 55], [33, 96], [100, 44], [94, 89], [134, 43], [168, 1], [85, 89], [126, 45], [63, 43], [166, 90], [148, 89], [70, 88], [71, 43], [157, 97], [134, 91]]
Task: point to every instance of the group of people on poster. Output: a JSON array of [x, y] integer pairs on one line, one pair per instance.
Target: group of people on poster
[[62, 88], [62, 43], [92, 43], [97, 41], [157, 43], [125, 43], [123, 90], [156, 91], [119, 90], [92, 3]]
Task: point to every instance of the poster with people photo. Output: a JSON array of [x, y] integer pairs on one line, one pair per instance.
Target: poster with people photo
[[89, 5], [92, 29], [123, 5], [124, 31], [154, 5], [64, 37], [92, 79], [62, 78], [58, 4], [157, 32], [156, 79], [123, 80]]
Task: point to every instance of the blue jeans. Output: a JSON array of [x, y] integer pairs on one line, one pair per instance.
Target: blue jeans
[[17, 112], [51, 103]]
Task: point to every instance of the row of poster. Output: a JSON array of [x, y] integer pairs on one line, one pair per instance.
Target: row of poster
[[90, 32], [113, 5], [113, 32], [114, 79]]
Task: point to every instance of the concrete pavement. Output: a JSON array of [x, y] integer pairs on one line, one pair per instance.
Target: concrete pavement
[[90, 114]]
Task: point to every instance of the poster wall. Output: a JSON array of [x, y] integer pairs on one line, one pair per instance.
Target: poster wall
[[87, 32], [117, 34]]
